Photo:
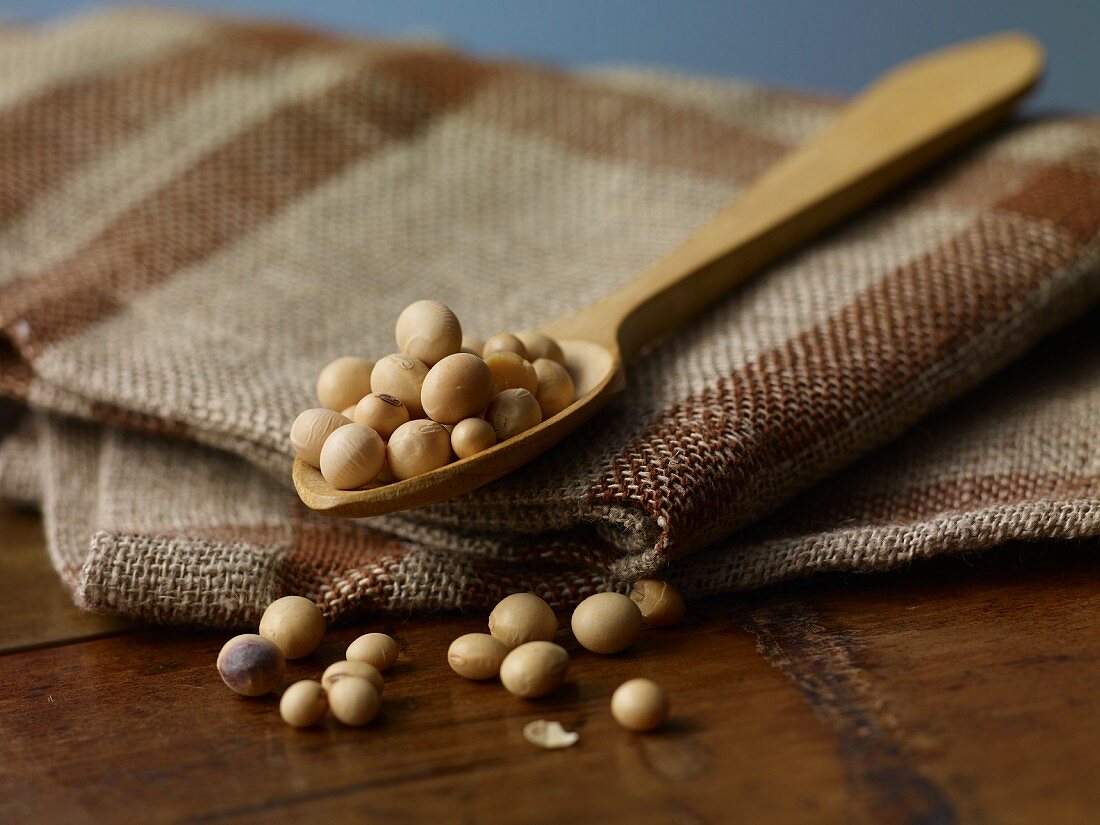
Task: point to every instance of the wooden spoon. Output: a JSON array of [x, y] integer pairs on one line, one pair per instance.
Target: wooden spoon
[[911, 117]]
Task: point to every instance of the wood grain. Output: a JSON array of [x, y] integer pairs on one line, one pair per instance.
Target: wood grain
[[958, 691], [34, 610]]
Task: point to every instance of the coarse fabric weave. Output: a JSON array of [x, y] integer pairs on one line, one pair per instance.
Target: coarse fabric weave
[[197, 213]]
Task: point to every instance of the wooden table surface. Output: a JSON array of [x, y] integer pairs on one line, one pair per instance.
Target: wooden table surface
[[960, 690]]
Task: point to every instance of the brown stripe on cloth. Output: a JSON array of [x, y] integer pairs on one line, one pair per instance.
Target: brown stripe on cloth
[[903, 347], [1065, 195], [352, 569], [44, 138], [990, 173], [869, 508], [279, 159], [605, 123], [339, 563], [598, 122], [420, 580]]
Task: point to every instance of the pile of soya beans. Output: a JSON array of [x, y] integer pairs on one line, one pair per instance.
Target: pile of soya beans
[[518, 649], [292, 628], [441, 396]]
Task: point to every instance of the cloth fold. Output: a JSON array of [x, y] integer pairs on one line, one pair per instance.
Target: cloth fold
[[197, 213]]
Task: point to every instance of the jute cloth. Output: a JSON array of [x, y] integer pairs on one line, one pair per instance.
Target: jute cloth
[[196, 214]]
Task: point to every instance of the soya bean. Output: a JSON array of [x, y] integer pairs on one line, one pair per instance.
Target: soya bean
[[341, 383], [513, 412], [555, 389], [352, 456], [459, 386], [382, 413], [418, 447], [522, 617], [295, 624], [360, 670], [428, 331], [400, 376], [472, 435], [511, 372], [606, 622], [474, 346], [534, 669], [309, 431], [376, 649], [639, 704], [504, 342], [303, 704], [476, 656], [660, 603], [354, 701], [251, 665], [541, 346]]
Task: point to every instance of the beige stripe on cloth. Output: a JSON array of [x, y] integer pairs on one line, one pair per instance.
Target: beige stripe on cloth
[[115, 140], [66, 54], [250, 201]]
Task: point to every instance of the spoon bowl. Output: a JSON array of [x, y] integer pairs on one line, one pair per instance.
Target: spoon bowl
[[597, 377], [912, 116]]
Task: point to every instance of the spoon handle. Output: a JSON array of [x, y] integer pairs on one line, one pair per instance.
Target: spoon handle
[[907, 119]]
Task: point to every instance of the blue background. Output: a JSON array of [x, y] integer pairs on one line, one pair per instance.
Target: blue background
[[832, 45]]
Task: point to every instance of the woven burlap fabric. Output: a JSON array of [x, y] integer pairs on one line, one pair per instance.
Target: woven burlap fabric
[[195, 214]]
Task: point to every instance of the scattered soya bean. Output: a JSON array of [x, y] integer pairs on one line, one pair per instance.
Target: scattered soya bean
[[504, 342], [639, 705], [309, 431], [555, 388], [541, 346], [660, 603], [341, 383], [472, 435], [353, 701], [348, 413], [402, 377], [474, 346], [251, 665], [521, 618], [303, 704], [428, 331], [606, 623], [295, 624], [458, 387], [376, 649], [534, 669], [360, 670], [382, 413], [513, 412], [476, 656], [548, 734], [352, 457], [418, 447], [511, 372]]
